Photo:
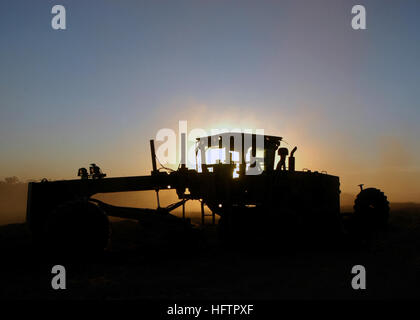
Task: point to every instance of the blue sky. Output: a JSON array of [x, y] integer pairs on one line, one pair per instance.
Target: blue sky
[[122, 70]]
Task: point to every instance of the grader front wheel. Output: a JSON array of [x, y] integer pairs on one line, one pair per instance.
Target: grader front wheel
[[76, 227]]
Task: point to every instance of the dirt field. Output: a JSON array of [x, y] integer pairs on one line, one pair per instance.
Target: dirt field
[[136, 267]]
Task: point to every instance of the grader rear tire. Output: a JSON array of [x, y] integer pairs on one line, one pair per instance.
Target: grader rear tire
[[371, 208]]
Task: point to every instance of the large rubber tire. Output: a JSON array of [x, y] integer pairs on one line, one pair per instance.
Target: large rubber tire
[[76, 227], [371, 208], [236, 228], [250, 228]]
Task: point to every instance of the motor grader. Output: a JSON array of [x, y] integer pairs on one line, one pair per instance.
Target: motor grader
[[253, 200]]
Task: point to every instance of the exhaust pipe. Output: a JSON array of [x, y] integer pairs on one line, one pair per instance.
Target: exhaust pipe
[[292, 160]]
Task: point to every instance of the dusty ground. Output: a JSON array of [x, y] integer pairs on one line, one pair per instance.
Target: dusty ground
[[135, 267]]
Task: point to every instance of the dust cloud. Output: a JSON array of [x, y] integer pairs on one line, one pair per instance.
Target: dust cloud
[[13, 196]]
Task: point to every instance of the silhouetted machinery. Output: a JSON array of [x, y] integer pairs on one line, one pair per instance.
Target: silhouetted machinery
[[233, 178], [94, 172]]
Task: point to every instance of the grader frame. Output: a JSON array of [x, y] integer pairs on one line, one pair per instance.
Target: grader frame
[[265, 199]]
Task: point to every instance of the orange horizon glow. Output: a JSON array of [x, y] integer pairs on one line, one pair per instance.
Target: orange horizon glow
[[400, 183]]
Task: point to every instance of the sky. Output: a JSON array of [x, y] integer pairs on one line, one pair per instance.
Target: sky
[[123, 70]]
